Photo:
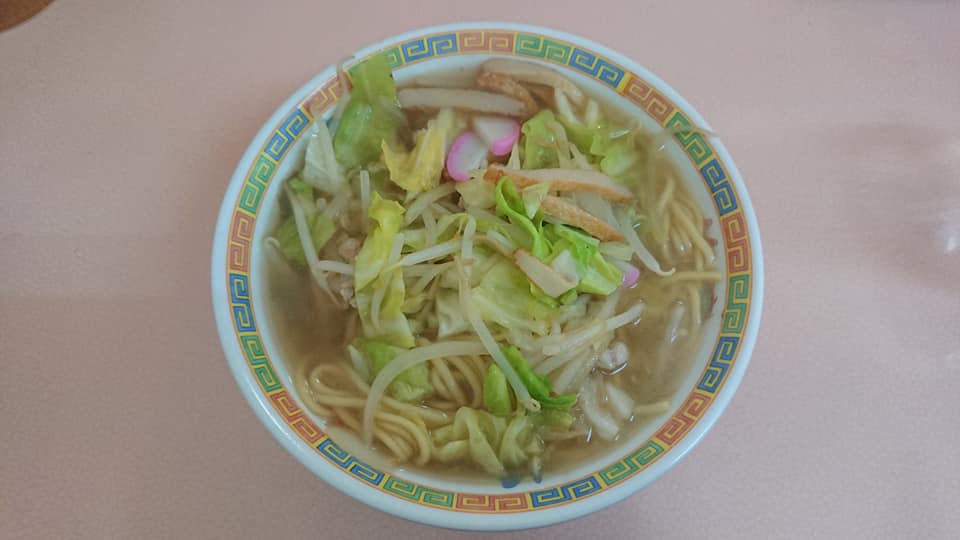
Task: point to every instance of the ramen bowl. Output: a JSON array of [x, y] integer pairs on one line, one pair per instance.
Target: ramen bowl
[[253, 339]]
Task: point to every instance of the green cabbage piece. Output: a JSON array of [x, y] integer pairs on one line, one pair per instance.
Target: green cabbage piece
[[612, 148], [510, 204], [450, 319], [618, 250], [421, 168], [369, 276], [532, 197], [320, 167], [484, 432], [503, 297], [394, 327], [579, 134], [522, 209], [412, 385], [539, 141], [476, 193], [568, 297], [543, 297], [538, 385], [600, 277], [321, 228], [495, 443], [303, 191], [496, 391], [372, 116], [376, 247], [555, 419], [617, 152], [519, 443], [597, 275]]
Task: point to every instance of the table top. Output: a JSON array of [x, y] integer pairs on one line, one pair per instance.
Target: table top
[[121, 123]]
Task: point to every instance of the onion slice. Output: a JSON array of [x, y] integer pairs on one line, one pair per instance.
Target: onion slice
[[566, 266], [603, 423], [550, 281], [620, 403]]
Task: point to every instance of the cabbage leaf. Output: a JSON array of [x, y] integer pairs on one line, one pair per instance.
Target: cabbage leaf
[[540, 141], [369, 277], [503, 297], [538, 385], [320, 167], [496, 392], [413, 383], [372, 116], [421, 168], [511, 204], [597, 275], [321, 228], [376, 247]]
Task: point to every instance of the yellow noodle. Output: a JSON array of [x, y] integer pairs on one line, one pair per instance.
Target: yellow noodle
[[696, 235], [665, 196], [422, 439], [696, 219], [684, 237], [479, 365], [439, 385], [464, 368], [412, 429], [399, 431], [316, 383], [340, 401], [318, 409], [694, 276], [693, 207], [399, 448], [676, 242], [347, 418], [456, 393], [391, 430], [680, 208], [695, 305], [666, 226], [473, 381], [424, 413], [443, 405]]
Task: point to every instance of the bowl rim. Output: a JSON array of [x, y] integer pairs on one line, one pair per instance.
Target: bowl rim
[[695, 418]]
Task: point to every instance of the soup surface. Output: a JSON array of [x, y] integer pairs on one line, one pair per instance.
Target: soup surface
[[487, 273]]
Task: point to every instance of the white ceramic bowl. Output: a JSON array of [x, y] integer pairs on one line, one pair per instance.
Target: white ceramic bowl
[[249, 336]]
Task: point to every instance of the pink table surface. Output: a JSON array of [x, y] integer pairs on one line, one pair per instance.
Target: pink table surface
[[121, 122]]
